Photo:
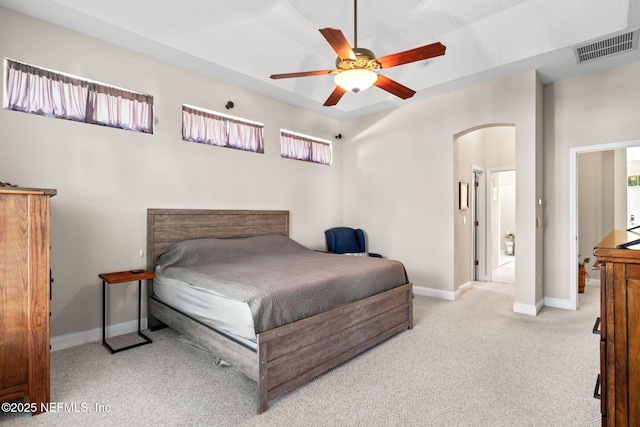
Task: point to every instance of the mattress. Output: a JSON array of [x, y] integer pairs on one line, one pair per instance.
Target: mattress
[[206, 306], [249, 285]]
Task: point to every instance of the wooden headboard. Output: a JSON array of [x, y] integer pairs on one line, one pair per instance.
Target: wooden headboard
[[166, 226]]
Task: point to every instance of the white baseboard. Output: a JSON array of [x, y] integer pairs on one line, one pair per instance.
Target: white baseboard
[[557, 303], [78, 338], [435, 293], [529, 309], [463, 288]]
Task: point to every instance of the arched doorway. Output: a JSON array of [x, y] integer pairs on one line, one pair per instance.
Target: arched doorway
[[477, 152]]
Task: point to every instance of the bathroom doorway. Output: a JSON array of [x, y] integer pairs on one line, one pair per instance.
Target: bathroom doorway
[[503, 248]]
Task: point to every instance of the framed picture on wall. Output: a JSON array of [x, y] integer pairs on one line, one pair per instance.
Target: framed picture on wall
[[463, 195]]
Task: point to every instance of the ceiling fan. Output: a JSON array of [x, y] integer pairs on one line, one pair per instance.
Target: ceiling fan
[[355, 65]]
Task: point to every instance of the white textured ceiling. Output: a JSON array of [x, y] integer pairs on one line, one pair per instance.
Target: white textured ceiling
[[245, 41]]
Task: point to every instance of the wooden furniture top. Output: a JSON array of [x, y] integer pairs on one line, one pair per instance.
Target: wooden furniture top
[[607, 249], [20, 190], [126, 276]]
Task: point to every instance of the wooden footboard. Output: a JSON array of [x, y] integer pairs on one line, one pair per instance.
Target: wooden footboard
[[295, 353]]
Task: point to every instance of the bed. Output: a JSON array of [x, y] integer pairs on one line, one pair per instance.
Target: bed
[[283, 354]]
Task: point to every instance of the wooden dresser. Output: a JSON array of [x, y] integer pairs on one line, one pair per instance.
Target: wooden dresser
[[619, 329], [24, 295]]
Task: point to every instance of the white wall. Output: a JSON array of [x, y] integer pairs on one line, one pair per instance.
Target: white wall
[[633, 167], [399, 181], [596, 109], [107, 178]]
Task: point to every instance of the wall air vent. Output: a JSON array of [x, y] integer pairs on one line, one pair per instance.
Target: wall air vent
[[607, 47]]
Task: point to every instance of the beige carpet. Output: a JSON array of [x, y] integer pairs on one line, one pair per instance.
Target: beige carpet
[[472, 362]]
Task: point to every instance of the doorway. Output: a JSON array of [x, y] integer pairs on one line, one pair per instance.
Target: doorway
[[476, 152], [580, 244], [503, 248]]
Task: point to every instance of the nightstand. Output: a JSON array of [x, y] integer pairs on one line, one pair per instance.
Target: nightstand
[[122, 277]]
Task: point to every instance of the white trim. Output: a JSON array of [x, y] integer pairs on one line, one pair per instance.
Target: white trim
[[5, 98], [531, 310], [441, 294], [435, 293], [464, 287], [478, 233], [557, 303], [573, 209], [78, 338]]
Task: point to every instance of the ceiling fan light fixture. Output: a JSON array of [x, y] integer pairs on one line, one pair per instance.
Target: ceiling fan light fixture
[[355, 80], [355, 65]]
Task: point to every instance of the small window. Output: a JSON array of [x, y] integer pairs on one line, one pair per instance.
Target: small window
[[302, 147], [209, 127], [36, 90]]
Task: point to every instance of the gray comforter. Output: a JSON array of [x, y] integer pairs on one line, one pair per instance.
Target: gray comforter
[[281, 280]]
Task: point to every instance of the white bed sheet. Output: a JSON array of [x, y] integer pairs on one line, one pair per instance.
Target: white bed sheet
[[209, 307]]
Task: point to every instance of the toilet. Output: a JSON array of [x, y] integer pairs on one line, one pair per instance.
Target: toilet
[[509, 245]]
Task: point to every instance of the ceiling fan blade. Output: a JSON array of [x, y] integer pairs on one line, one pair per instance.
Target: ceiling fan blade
[[393, 87], [413, 55], [334, 97], [300, 74], [338, 42]]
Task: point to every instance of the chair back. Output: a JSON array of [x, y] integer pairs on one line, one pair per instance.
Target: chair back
[[341, 240]]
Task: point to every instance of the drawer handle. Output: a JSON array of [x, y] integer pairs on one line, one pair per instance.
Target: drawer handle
[[596, 327], [596, 392]]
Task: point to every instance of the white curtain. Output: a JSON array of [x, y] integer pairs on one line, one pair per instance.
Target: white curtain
[[38, 91], [119, 108], [294, 147], [321, 152], [302, 148], [246, 136], [199, 126], [209, 128]]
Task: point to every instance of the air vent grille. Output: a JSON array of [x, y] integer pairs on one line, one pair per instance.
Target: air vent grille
[[607, 47]]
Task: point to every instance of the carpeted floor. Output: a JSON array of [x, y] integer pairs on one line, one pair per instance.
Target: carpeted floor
[[472, 362]]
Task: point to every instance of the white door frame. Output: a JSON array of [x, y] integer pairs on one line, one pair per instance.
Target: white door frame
[[478, 233], [573, 209]]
